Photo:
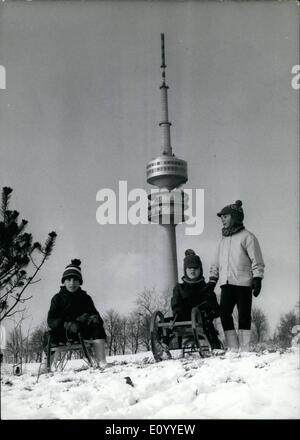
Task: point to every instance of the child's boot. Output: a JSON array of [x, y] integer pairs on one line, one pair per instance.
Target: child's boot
[[99, 348], [231, 340], [244, 340], [44, 364]]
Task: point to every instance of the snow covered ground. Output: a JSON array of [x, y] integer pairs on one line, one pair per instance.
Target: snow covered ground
[[231, 386]]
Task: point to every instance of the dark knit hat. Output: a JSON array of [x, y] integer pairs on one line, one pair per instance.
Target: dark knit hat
[[191, 260], [235, 210], [73, 270]]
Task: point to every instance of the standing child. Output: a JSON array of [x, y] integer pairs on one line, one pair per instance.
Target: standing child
[[239, 267], [72, 310]]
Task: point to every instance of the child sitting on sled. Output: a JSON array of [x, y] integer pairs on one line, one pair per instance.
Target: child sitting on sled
[[194, 291], [72, 310]]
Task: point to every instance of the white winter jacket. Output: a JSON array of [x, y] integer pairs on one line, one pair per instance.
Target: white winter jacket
[[237, 260]]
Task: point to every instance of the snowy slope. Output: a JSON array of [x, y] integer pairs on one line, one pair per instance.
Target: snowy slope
[[248, 386]]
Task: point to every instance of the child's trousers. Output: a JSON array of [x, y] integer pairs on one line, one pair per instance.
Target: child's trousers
[[240, 296]]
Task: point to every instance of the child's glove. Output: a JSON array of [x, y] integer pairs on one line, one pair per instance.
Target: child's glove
[[82, 319], [93, 320], [210, 312], [210, 286], [176, 311], [203, 305], [71, 327], [256, 286]]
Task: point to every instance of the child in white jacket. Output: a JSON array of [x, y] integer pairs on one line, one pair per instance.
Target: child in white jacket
[[239, 267]]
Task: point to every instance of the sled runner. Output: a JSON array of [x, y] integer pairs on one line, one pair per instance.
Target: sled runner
[[58, 354], [197, 335]]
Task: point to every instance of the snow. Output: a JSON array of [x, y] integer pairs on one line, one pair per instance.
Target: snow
[[229, 386]]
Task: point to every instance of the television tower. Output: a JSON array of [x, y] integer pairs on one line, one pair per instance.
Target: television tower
[[168, 173]]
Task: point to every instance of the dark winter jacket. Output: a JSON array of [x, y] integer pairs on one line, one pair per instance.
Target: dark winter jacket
[[67, 306], [188, 295]]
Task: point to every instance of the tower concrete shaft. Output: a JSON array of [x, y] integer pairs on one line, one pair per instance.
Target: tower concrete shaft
[[171, 263]]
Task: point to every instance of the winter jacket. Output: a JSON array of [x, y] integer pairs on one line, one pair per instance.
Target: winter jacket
[[67, 306], [238, 259], [188, 295]]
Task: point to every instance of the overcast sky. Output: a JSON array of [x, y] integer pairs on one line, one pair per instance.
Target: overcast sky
[[81, 112]]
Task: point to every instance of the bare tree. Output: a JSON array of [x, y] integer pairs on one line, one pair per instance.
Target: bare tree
[[16, 343], [148, 301], [260, 326], [134, 326], [36, 342], [145, 332], [18, 254], [123, 335], [112, 324]]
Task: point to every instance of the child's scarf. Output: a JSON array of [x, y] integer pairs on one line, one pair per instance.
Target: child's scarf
[[226, 232]]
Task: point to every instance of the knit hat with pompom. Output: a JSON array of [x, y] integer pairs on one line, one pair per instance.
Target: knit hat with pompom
[[73, 270], [191, 260], [235, 210]]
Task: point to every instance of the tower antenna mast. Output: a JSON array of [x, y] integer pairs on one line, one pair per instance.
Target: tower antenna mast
[[165, 124]]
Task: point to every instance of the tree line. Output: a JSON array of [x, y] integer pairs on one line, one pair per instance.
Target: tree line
[[130, 334]]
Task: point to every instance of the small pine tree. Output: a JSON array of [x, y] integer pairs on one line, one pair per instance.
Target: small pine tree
[[18, 255]]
